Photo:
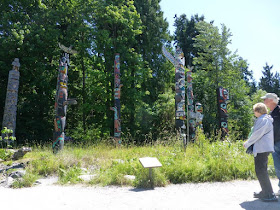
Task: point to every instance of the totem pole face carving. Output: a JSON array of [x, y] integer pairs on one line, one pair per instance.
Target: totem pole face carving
[[222, 97], [16, 64], [198, 107]]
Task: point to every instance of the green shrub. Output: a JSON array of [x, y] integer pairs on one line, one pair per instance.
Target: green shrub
[[5, 154], [69, 175], [26, 181], [202, 161]]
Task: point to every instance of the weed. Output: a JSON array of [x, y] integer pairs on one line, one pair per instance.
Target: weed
[[202, 161], [26, 181]]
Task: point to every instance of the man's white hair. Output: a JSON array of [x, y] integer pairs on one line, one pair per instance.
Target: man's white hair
[[275, 100]]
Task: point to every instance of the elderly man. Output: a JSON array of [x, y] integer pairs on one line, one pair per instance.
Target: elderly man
[[271, 101]]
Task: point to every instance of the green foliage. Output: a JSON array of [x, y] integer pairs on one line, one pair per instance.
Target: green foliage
[[217, 66], [184, 36], [31, 31], [8, 138], [207, 160], [269, 82], [143, 180], [114, 174], [5, 154], [45, 165], [69, 175], [27, 180], [256, 97]]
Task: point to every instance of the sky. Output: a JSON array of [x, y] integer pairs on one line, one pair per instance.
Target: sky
[[254, 24]]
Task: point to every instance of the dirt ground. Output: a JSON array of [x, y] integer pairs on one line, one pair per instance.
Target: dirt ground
[[216, 196]]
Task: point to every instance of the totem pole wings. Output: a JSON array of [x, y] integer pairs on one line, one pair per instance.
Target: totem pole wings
[[194, 113], [178, 61]]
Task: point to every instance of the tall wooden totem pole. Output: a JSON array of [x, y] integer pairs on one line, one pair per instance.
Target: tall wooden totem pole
[[222, 97], [191, 109], [61, 100], [10, 111], [117, 103], [194, 113], [178, 61], [199, 115]]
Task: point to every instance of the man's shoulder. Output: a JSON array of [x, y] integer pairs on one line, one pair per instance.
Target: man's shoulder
[[275, 114], [276, 111]]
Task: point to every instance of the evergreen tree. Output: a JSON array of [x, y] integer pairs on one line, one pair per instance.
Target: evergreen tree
[[31, 31], [185, 33], [154, 35], [269, 82], [217, 66]]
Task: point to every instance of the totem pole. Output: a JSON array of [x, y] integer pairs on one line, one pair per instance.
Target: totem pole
[[180, 114], [117, 102], [10, 111], [199, 115], [222, 97], [191, 109], [61, 100]]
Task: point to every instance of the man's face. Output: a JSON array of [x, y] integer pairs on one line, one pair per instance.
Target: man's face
[[269, 103], [266, 101]]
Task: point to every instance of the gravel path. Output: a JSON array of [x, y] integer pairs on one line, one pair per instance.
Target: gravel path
[[216, 196]]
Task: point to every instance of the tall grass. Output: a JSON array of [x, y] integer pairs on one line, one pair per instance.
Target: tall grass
[[201, 161]]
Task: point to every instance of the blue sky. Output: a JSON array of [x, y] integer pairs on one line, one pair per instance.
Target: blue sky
[[254, 24]]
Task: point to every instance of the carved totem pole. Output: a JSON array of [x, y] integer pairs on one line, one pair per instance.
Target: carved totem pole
[[222, 97], [199, 115], [191, 109], [117, 103], [61, 100], [178, 61], [10, 111], [194, 113]]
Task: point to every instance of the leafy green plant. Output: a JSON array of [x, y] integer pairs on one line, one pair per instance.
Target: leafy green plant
[[7, 137], [69, 175], [203, 161], [26, 181], [143, 180], [5, 154]]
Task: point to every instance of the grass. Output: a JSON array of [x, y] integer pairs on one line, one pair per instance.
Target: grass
[[199, 162]]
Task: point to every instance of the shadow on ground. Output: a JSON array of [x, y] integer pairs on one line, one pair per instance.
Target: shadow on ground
[[260, 205], [141, 189]]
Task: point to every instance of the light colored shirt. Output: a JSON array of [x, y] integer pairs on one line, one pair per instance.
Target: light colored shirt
[[262, 135]]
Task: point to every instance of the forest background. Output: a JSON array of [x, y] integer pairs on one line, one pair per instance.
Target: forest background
[[31, 30]]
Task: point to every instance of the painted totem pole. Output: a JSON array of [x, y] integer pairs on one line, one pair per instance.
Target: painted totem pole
[[117, 103], [222, 97], [61, 100], [191, 108], [10, 111], [199, 115], [178, 61]]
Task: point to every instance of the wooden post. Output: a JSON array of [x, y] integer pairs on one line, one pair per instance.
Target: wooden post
[[10, 111], [61, 99], [117, 104]]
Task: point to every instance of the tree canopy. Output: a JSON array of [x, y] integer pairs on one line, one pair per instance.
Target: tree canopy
[[31, 30]]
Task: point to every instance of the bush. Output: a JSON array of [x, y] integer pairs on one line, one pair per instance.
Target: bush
[[202, 161]]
